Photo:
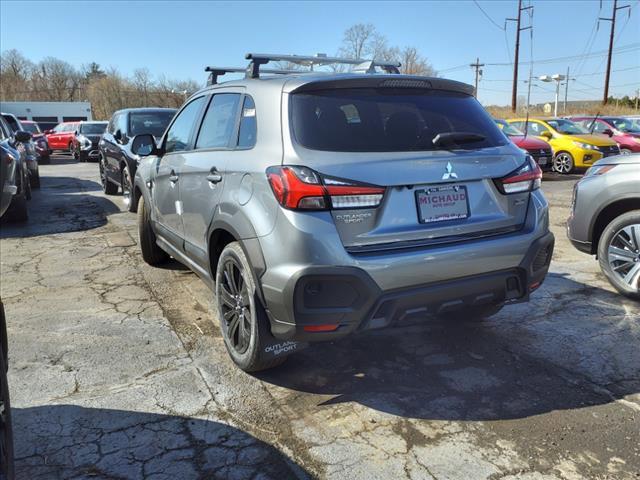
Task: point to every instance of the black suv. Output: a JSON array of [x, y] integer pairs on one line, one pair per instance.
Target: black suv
[[118, 164]]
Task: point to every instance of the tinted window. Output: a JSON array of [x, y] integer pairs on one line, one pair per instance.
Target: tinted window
[[625, 125], [533, 128], [385, 120], [154, 123], [13, 123], [179, 133], [93, 128], [30, 127], [219, 121], [567, 127], [509, 129], [248, 127]]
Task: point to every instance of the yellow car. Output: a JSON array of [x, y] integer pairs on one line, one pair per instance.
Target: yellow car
[[573, 146]]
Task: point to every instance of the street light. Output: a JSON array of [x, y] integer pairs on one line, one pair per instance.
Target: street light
[[554, 78]]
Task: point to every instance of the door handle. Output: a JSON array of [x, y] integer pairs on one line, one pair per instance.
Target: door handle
[[173, 178], [214, 176]]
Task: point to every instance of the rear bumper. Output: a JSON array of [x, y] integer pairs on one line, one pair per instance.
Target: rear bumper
[[349, 298]]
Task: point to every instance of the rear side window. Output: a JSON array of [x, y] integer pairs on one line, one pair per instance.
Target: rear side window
[[154, 123], [219, 121], [248, 126], [387, 120]]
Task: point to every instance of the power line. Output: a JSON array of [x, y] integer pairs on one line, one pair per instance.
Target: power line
[[487, 16], [632, 47]]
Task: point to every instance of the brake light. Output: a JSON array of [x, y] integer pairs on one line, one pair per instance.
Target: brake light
[[526, 178], [300, 188]]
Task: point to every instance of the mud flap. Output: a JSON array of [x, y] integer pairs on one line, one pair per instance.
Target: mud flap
[[273, 347]]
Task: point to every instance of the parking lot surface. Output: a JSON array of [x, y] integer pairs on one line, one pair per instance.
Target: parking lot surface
[[118, 370]]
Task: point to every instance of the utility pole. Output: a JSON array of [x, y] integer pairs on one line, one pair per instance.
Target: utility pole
[[611, 36], [637, 96], [566, 92], [477, 66], [514, 92]]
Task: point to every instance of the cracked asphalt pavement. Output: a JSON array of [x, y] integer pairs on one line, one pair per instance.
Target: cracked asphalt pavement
[[118, 370]]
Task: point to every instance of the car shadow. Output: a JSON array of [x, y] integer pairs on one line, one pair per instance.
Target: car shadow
[[62, 204], [550, 354], [68, 441], [563, 177]]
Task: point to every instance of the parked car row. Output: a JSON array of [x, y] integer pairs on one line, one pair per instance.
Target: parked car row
[[575, 142], [14, 157]]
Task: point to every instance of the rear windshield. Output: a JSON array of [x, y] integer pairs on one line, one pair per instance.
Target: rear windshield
[[30, 127], [154, 123], [387, 120], [93, 128]]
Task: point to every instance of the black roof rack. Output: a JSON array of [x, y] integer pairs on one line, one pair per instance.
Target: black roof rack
[[362, 65], [215, 72]]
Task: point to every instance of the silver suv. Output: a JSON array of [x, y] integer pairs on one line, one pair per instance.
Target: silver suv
[[605, 219], [317, 205]]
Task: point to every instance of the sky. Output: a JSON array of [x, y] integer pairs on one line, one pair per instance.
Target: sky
[[178, 39]]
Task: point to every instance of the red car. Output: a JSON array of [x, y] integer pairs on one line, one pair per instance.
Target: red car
[[61, 137], [539, 149], [39, 139], [624, 131]]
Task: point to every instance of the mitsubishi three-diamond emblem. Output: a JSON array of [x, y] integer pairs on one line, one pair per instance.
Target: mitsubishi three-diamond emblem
[[449, 174]]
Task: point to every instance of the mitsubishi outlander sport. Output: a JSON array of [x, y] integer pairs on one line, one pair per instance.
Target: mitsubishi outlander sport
[[317, 205]]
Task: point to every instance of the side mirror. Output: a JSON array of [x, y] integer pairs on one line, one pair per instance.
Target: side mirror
[[546, 134], [144, 145], [118, 135], [608, 131], [76, 133], [22, 136]]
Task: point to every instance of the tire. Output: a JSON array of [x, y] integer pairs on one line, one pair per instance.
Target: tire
[[27, 187], [126, 182], [6, 431], [619, 253], [107, 187], [471, 315], [71, 150], [35, 180], [625, 151], [19, 210], [243, 321], [563, 163], [151, 252]]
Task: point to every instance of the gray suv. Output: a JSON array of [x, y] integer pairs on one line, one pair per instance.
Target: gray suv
[[317, 205], [605, 219]]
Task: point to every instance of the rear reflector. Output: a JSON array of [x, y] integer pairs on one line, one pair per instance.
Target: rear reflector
[[526, 178], [321, 328], [534, 286], [300, 188]]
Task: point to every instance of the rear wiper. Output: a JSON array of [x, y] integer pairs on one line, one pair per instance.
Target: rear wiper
[[456, 138]]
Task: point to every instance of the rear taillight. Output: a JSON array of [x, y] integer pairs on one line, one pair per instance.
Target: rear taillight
[[526, 178], [300, 188]]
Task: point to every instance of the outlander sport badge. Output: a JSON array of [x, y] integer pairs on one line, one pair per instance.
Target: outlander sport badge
[[449, 174]]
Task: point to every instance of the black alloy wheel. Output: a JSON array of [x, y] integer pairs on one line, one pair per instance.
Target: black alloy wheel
[[236, 307]]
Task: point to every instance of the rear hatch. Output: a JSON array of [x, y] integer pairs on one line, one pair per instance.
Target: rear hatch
[[437, 154]]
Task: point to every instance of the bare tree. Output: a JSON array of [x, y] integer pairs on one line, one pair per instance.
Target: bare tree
[[357, 39], [15, 72], [413, 63], [142, 81]]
